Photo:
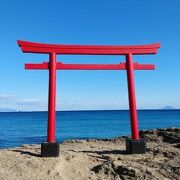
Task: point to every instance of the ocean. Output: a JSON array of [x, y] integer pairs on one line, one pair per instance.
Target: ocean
[[18, 128]]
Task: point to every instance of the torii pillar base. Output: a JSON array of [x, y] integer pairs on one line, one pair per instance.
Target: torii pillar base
[[134, 146], [50, 149]]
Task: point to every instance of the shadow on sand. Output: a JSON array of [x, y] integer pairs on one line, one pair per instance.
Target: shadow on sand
[[104, 152], [27, 152]]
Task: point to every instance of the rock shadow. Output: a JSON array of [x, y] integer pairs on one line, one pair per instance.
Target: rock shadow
[[105, 152], [27, 152]]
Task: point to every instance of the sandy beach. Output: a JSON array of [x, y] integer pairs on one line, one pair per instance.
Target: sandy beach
[[97, 159]]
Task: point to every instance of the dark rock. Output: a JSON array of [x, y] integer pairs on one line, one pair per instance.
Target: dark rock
[[161, 160], [97, 168], [171, 169], [124, 170], [105, 168], [177, 145], [169, 135]]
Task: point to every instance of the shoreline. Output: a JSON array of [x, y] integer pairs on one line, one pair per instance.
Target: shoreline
[[97, 159]]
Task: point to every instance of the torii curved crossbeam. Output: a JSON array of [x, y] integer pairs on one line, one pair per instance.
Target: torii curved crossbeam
[[31, 47]]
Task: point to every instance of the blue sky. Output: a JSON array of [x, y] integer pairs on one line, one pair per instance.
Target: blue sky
[[97, 22]]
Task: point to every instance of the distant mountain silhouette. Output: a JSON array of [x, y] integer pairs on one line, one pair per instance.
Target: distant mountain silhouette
[[168, 107]]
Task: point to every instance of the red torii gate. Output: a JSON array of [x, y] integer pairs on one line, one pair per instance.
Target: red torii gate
[[134, 145]]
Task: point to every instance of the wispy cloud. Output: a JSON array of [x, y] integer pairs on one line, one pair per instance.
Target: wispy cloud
[[91, 105], [12, 102], [7, 103], [31, 104], [6, 97], [28, 102]]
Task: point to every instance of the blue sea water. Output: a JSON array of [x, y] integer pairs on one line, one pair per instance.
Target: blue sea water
[[17, 128]]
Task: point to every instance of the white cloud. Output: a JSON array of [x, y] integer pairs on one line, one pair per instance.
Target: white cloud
[[11, 102], [7, 102], [6, 97], [93, 105], [28, 102]]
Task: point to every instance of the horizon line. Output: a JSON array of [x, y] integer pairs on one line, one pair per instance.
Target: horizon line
[[90, 110]]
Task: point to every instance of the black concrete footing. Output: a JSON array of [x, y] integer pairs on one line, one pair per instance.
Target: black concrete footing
[[50, 149], [135, 146]]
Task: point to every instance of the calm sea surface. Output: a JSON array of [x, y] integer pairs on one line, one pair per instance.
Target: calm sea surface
[[30, 127]]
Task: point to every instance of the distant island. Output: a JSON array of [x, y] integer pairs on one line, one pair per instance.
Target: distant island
[[168, 107]]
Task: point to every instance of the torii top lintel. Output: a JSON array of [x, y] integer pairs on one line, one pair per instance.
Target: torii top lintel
[[31, 47]]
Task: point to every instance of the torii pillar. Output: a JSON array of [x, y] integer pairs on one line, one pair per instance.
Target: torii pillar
[[134, 145], [52, 99]]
